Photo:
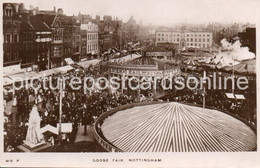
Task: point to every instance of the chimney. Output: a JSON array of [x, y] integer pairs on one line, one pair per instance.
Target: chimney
[[54, 9]]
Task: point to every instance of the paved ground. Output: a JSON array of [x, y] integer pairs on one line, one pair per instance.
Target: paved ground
[[81, 137]]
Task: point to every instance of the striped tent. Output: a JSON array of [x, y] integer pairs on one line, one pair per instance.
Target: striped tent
[[175, 127]]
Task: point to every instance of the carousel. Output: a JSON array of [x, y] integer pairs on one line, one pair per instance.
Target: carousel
[[173, 127]]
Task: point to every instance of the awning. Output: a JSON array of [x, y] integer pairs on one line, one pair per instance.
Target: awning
[[69, 61], [64, 69], [230, 95], [240, 96], [12, 69], [48, 72], [25, 76]]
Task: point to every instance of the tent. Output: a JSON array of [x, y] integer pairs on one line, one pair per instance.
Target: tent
[[7, 81], [64, 69], [240, 97], [48, 72], [69, 61], [65, 127], [86, 64], [14, 69], [230, 95], [247, 66], [25, 76]]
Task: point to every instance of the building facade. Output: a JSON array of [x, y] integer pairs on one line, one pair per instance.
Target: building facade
[[36, 39], [56, 48], [186, 38], [72, 41], [92, 46], [12, 34]]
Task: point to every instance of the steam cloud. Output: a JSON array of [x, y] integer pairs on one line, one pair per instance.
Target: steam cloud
[[236, 51]]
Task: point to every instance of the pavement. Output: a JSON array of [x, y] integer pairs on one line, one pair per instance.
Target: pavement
[[87, 138]]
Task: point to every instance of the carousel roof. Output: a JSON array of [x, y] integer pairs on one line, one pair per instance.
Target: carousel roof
[[148, 61], [174, 127]]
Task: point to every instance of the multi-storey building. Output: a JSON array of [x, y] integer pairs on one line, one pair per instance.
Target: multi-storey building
[[71, 45], [56, 49], [92, 47], [11, 34], [36, 41], [185, 38]]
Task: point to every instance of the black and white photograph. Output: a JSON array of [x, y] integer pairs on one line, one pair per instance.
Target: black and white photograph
[[141, 82]]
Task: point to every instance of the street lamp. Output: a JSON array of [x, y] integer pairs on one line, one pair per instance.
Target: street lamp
[[60, 107], [204, 91]]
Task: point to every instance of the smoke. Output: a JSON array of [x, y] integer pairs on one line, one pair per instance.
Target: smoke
[[236, 51]]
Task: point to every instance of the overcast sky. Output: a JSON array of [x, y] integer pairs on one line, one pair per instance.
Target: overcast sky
[[160, 12]]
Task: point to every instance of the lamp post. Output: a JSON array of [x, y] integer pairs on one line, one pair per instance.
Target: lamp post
[[60, 108], [204, 83]]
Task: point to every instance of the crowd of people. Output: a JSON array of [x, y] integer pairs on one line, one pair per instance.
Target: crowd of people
[[79, 108]]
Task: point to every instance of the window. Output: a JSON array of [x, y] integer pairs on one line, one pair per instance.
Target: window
[[203, 40], [195, 44], [158, 34], [15, 55], [16, 38], [208, 35], [177, 39], [162, 34], [207, 45], [158, 39], [8, 38], [208, 40], [199, 39], [191, 39], [195, 39], [187, 39], [187, 35], [203, 45], [199, 45], [191, 44], [7, 57]]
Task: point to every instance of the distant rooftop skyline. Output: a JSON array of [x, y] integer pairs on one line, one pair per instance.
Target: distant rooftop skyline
[[158, 12]]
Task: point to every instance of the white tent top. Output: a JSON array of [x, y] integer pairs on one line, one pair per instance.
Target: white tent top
[[24, 76], [240, 96], [65, 127], [7, 81], [47, 72], [230, 95], [86, 64], [49, 128], [9, 70], [64, 69], [69, 61], [126, 58]]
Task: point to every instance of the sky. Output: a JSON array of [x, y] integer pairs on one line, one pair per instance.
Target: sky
[[159, 12]]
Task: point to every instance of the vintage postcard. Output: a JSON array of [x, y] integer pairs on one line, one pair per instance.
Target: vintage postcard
[[140, 83]]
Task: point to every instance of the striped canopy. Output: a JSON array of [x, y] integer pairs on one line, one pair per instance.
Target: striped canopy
[[174, 127]]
